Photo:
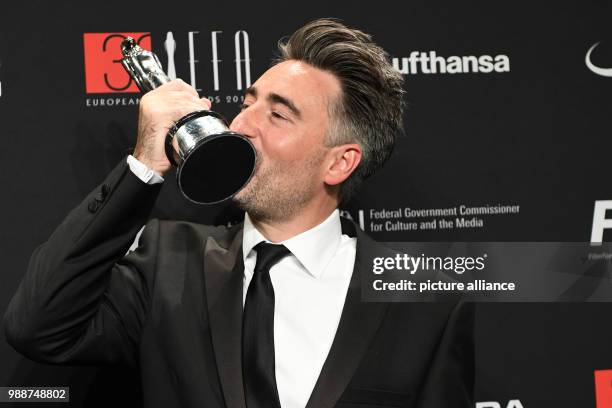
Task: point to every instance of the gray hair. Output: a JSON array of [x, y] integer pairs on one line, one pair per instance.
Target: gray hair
[[369, 111]]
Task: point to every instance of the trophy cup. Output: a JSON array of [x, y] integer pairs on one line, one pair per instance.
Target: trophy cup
[[213, 163]]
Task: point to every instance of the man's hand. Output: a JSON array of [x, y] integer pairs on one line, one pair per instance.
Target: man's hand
[[159, 110]]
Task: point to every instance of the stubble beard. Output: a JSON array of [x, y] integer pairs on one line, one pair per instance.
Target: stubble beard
[[278, 191]]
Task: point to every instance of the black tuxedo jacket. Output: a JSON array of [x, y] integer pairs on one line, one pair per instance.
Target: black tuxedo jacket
[[173, 307]]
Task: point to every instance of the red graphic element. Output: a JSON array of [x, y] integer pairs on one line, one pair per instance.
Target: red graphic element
[[103, 70], [603, 388]]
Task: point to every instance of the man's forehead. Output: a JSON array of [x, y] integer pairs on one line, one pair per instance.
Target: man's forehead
[[299, 81]]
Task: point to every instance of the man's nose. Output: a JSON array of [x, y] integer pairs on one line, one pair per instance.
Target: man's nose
[[245, 124]]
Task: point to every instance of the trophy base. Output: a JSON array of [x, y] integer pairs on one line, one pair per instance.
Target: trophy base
[[216, 168]]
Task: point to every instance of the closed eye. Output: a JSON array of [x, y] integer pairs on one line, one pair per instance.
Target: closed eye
[[277, 115]]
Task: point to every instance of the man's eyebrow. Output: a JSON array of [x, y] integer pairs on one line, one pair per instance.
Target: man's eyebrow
[[276, 98], [251, 90]]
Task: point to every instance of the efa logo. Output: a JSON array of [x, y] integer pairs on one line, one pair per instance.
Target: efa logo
[[103, 70], [603, 388]]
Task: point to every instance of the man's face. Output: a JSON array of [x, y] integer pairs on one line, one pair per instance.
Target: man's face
[[285, 116]]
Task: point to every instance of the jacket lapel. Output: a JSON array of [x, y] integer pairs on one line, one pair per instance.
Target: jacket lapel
[[358, 325], [359, 322], [223, 272]]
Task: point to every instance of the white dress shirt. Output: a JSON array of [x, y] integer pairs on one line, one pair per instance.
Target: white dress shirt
[[310, 287], [143, 172]]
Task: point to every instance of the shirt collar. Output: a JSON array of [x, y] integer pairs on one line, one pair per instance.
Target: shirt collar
[[313, 248]]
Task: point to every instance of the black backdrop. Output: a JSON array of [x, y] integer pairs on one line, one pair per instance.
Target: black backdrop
[[533, 134]]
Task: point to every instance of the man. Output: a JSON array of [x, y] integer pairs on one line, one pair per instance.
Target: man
[[215, 318]]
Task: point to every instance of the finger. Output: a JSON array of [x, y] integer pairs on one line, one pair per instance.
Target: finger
[[175, 145], [173, 85], [184, 86], [185, 108], [206, 103], [179, 85]]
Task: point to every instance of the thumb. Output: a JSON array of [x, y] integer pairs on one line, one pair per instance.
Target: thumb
[[206, 103]]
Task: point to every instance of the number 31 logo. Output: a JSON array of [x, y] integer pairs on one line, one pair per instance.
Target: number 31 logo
[[103, 70]]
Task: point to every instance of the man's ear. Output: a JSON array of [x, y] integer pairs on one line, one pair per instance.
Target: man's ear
[[343, 160]]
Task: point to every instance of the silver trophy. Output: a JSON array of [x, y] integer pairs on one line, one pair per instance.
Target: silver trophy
[[213, 163]]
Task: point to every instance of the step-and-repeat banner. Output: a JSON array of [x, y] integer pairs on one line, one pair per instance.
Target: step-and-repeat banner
[[507, 139]]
